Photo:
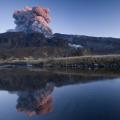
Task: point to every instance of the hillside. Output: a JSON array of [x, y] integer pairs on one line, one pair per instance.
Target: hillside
[[97, 45], [19, 44]]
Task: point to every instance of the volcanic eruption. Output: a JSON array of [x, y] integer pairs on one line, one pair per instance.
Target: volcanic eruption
[[33, 19]]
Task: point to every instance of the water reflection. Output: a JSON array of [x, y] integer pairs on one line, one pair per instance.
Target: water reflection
[[34, 89], [35, 102]]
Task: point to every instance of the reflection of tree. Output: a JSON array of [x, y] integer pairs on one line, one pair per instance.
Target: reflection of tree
[[35, 102]]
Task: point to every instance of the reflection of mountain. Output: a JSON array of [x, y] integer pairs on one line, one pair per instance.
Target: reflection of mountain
[[34, 88], [24, 80], [35, 102]]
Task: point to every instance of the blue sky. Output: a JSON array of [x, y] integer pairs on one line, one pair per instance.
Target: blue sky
[[83, 17]]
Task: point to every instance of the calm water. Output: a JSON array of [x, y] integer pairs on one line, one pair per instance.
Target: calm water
[[28, 95]]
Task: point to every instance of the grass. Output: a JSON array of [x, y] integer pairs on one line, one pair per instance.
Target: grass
[[88, 58]]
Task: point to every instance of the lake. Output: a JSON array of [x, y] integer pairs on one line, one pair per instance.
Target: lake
[[48, 95]]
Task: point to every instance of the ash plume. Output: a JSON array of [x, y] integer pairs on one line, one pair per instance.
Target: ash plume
[[33, 19]]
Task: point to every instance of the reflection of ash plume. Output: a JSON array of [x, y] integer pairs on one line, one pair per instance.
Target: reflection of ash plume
[[35, 102]]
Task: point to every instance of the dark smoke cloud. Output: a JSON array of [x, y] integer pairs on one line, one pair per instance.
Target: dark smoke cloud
[[33, 19]]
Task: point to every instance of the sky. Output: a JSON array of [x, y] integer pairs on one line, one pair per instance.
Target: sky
[[81, 17]]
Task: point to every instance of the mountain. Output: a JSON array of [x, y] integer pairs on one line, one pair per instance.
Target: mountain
[[97, 45], [19, 44]]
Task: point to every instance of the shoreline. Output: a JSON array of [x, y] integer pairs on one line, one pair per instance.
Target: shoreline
[[107, 62]]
